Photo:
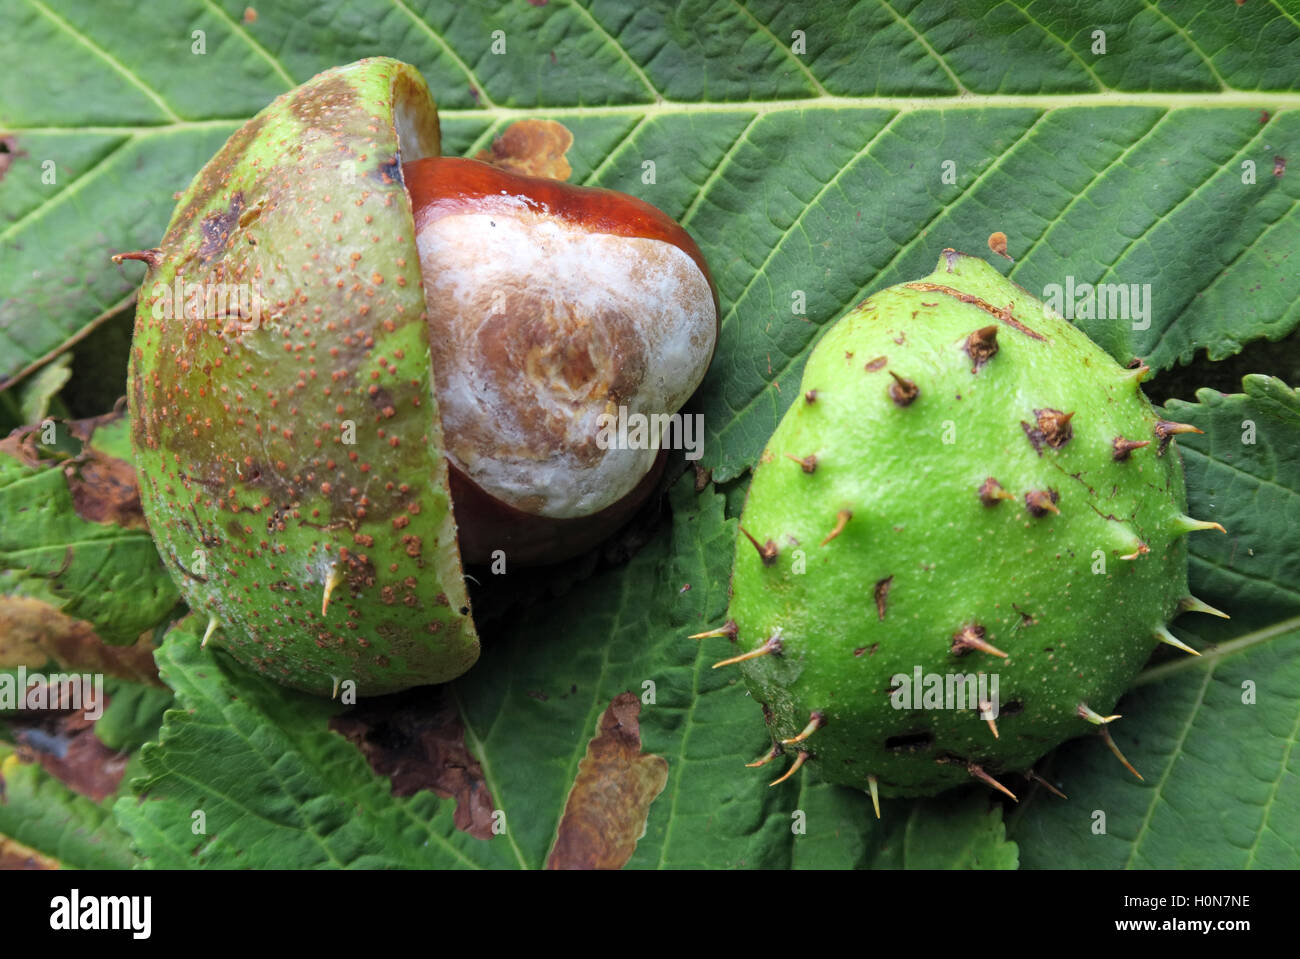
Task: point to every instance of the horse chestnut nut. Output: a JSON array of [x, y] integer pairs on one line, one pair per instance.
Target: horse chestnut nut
[[340, 335]]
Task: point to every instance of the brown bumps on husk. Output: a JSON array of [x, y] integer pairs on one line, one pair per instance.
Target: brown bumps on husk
[[1123, 448], [877, 364], [1142, 550], [767, 552], [882, 596], [808, 464], [1055, 427], [978, 772], [1052, 429], [1166, 430], [982, 345], [991, 492], [728, 629], [605, 813], [810, 396], [902, 391], [816, 720], [774, 646], [971, 637], [1040, 502], [841, 520]]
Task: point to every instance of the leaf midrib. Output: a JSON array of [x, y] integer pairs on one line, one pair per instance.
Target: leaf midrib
[[1277, 100]]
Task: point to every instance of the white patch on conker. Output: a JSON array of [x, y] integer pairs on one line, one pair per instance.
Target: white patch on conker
[[537, 327]]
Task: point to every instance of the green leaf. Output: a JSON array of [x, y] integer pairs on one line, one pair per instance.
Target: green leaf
[[1222, 784], [43, 814], [949, 833], [1244, 472], [133, 715], [41, 389], [108, 574], [275, 787]]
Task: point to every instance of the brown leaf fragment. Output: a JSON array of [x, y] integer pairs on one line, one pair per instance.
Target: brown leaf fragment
[[533, 148], [8, 153], [104, 488], [702, 478], [67, 748], [34, 633], [417, 741], [15, 856], [606, 810]]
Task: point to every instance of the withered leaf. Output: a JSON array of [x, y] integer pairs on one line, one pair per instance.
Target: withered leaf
[[416, 739], [67, 748], [32, 633], [533, 148], [606, 810]]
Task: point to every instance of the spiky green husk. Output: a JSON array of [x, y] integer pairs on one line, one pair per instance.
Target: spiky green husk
[[908, 415], [239, 433]]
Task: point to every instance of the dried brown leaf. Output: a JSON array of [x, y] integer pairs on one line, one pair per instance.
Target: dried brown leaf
[[606, 810]]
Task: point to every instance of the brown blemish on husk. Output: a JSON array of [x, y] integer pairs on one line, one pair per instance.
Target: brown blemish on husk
[[981, 346], [991, 492], [1041, 502], [218, 227], [1053, 429], [1123, 448], [972, 637], [902, 391], [882, 596], [1003, 315], [1166, 430], [767, 552]]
